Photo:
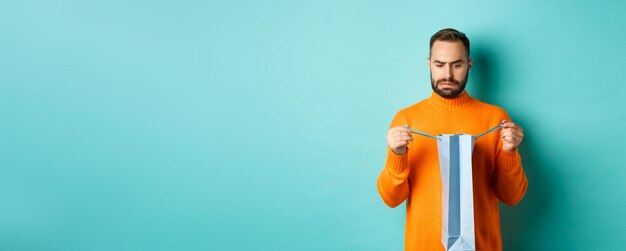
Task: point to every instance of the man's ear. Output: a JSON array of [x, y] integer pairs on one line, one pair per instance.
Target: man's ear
[[428, 63], [469, 65]]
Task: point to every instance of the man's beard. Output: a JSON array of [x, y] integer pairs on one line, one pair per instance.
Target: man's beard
[[449, 93]]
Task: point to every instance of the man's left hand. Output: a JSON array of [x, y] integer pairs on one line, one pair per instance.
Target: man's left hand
[[512, 135]]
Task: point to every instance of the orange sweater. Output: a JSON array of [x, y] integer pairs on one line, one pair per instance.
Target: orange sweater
[[415, 176]]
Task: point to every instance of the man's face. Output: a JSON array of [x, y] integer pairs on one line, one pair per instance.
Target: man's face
[[449, 68]]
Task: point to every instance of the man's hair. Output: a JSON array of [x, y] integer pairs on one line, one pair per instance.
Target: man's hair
[[450, 35]]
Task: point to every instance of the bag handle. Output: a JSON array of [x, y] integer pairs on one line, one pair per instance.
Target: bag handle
[[490, 130], [437, 138], [421, 133]]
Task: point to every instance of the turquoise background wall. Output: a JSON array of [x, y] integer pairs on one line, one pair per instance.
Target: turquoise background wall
[[260, 125]]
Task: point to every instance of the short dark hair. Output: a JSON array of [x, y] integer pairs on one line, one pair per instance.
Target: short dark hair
[[450, 35]]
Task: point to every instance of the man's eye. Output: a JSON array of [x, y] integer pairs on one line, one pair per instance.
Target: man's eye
[[457, 66], [439, 65]]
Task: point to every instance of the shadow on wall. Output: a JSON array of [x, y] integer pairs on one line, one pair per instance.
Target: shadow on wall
[[518, 222], [485, 74]]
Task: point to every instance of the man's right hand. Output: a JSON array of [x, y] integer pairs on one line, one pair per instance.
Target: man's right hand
[[398, 138]]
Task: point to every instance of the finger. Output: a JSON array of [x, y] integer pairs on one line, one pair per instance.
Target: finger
[[400, 134], [397, 129], [516, 128], [395, 145], [394, 133], [404, 138], [512, 132], [404, 129], [401, 129], [400, 144], [512, 126], [504, 123], [518, 134], [513, 139], [509, 125], [509, 138], [508, 133]]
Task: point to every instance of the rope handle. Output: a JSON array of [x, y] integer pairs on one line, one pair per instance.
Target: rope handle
[[437, 138], [421, 133], [490, 130]]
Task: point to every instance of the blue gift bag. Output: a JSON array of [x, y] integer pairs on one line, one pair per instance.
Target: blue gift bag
[[455, 162]]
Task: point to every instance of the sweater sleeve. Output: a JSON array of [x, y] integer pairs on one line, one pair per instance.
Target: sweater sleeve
[[510, 180], [393, 183]]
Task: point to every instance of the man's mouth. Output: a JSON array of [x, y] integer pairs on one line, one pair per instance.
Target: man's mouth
[[446, 84]]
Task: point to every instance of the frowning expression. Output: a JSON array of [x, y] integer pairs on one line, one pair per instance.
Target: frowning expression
[[449, 68]]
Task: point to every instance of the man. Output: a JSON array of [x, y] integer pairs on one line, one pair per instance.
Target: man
[[412, 172]]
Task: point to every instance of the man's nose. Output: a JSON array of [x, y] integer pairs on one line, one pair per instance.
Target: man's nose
[[447, 72]]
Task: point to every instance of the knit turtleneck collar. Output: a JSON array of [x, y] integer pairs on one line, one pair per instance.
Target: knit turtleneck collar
[[461, 100]]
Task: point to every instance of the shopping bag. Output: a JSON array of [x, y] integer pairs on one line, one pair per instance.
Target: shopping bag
[[455, 162]]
